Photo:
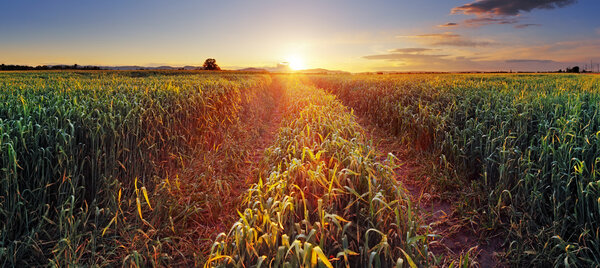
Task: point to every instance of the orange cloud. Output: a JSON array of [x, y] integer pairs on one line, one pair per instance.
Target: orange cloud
[[409, 50]]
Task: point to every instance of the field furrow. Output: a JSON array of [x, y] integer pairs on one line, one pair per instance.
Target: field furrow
[[322, 197]]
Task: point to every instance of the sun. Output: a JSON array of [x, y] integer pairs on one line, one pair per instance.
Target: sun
[[296, 63]]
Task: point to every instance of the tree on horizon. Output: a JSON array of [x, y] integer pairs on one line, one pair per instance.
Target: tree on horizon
[[211, 64]]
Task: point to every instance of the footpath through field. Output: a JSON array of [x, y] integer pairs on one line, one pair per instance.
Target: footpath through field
[[432, 191], [323, 198], [231, 168], [457, 240]]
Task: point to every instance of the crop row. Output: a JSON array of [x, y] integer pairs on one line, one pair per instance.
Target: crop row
[[76, 149], [322, 198], [530, 143]]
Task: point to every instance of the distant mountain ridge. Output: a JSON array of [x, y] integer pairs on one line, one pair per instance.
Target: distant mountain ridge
[[252, 69], [285, 69], [280, 68]]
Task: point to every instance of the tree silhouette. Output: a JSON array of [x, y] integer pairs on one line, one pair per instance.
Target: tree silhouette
[[211, 64], [46, 67], [573, 70]]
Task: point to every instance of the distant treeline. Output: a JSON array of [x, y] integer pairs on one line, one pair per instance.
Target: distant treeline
[[4, 67], [571, 70]]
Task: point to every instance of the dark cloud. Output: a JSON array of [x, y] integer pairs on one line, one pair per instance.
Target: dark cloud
[[411, 50], [529, 61], [481, 21], [476, 22], [449, 39], [525, 25], [508, 7], [449, 24]]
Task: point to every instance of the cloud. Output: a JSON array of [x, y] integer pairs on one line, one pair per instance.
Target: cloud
[[497, 57], [482, 21], [508, 7], [408, 55], [525, 25], [449, 24], [462, 43], [529, 61], [427, 62], [476, 22], [404, 57], [419, 62], [490, 12], [411, 50], [581, 50], [449, 39], [437, 35]]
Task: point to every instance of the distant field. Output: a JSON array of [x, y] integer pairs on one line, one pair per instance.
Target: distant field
[[152, 168]]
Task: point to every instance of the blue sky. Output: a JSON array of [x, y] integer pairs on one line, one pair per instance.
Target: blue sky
[[348, 35]]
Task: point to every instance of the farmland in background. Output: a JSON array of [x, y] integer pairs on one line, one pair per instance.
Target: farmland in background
[[237, 169]]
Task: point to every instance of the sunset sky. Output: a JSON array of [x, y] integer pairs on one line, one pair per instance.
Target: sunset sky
[[424, 35]]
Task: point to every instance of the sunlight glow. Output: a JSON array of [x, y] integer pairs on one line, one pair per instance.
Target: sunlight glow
[[296, 63]]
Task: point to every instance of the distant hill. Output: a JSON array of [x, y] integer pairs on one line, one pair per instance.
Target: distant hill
[[136, 67], [280, 68], [189, 67], [252, 69], [284, 68]]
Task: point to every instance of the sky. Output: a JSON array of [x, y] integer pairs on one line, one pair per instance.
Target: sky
[[351, 35]]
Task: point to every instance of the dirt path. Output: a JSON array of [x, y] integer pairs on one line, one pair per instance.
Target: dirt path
[[267, 134], [456, 236], [213, 183], [246, 173]]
